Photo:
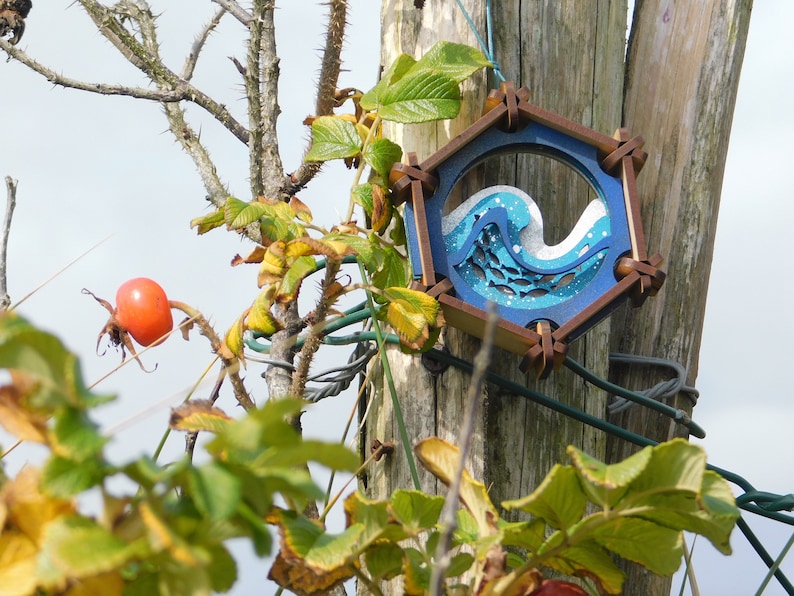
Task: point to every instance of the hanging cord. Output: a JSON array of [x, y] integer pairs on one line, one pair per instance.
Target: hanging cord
[[486, 48], [659, 392]]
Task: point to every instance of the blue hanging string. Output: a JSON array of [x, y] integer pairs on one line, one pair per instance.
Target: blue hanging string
[[486, 48]]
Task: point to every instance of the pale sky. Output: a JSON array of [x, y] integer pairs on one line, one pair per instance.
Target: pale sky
[[92, 167]]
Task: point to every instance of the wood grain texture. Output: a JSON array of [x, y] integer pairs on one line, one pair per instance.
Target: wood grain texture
[[570, 54], [683, 70]]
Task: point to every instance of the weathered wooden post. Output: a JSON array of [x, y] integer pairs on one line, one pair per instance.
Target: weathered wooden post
[[682, 73]]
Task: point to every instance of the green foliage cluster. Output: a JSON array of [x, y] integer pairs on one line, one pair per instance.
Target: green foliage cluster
[[169, 535]]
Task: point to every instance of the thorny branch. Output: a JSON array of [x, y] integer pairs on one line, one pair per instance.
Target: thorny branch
[[237, 11], [11, 203], [272, 170], [55, 78], [175, 114], [329, 76], [198, 45], [314, 339], [139, 56]]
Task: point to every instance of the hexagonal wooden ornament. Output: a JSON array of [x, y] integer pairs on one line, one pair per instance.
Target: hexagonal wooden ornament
[[491, 246]]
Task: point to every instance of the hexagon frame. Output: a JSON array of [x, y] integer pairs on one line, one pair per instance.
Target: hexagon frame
[[619, 265]]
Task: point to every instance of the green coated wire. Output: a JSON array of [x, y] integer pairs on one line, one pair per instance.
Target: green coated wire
[[398, 413], [774, 567]]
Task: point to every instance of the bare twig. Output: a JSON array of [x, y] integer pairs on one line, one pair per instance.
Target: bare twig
[[11, 203], [198, 45], [448, 520], [237, 11], [329, 77]]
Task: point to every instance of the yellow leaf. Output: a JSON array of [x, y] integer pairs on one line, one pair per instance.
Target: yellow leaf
[[107, 584], [162, 538], [17, 419], [233, 342], [17, 564], [441, 459], [274, 261], [259, 316], [30, 510]]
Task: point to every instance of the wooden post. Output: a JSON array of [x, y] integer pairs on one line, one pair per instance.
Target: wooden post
[[683, 71], [570, 54]]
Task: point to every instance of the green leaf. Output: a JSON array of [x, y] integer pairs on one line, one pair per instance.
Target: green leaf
[[685, 512], [559, 500], [215, 491], [319, 551], [239, 214], [457, 61], [370, 100], [176, 578], [374, 517], [674, 466], [299, 270], [74, 546], [381, 155], [222, 569], [63, 477], [275, 229], [76, 436], [363, 247], [417, 573], [657, 548], [44, 358], [146, 472], [415, 510], [384, 561], [716, 496], [460, 563], [208, 222], [606, 484], [421, 96], [587, 559], [362, 195], [397, 231], [391, 269], [333, 138], [333, 455], [526, 535]]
